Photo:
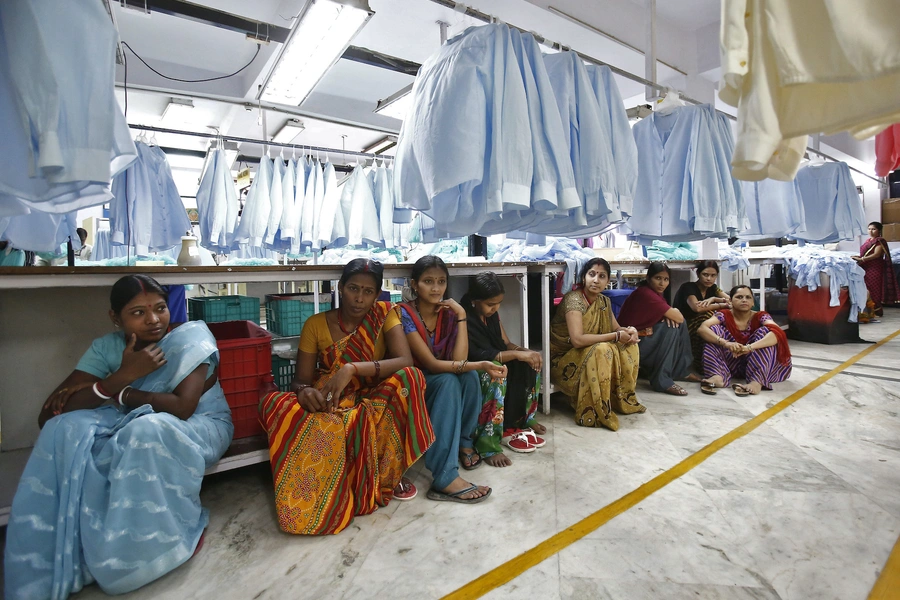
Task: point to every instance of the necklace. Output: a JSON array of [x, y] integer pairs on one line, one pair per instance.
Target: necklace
[[421, 318], [341, 325], [583, 295]]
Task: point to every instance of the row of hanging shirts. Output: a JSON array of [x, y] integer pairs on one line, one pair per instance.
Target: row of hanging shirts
[[64, 137], [297, 206]]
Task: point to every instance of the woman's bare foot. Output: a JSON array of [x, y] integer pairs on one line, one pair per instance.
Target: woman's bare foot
[[538, 428], [460, 484], [716, 381], [754, 387], [693, 378], [498, 460]]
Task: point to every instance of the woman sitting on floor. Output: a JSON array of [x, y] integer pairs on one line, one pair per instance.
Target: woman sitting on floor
[[437, 334], [111, 492], [665, 344], [698, 301], [507, 416], [593, 360], [743, 343], [354, 420]]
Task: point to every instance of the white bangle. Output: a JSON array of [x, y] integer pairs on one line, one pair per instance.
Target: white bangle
[[122, 395], [96, 389]]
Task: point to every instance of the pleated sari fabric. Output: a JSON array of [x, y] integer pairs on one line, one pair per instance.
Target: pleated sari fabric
[[330, 467]]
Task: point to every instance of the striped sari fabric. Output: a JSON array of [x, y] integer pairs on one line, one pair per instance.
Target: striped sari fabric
[[330, 467]]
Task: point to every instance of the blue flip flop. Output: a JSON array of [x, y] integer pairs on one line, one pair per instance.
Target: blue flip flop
[[439, 496]]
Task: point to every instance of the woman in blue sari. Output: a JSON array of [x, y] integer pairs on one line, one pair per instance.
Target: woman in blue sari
[[111, 490]]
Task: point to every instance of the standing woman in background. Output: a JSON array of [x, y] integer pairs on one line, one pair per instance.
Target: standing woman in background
[[593, 360], [875, 259], [665, 343], [505, 418], [698, 301]]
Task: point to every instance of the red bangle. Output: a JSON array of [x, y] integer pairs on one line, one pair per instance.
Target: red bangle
[[355, 369], [377, 369], [102, 391]]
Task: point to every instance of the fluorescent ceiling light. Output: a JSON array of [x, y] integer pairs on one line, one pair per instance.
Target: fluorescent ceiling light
[[382, 145], [396, 105], [290, 130], [179, 111], [317, 41], [188, 162]]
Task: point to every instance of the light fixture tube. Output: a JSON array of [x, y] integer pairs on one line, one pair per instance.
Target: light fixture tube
[[396, 105], [318, 40], [382, 145], [290, 130]]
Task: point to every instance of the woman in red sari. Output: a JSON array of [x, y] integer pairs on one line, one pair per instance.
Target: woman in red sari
[[875, 258], [355, 418]]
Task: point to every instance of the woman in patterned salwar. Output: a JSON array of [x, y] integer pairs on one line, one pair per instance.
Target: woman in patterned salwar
[[743, 343], [354, 420], [508, 414], [111, 492], [436, 330], [593, 360]]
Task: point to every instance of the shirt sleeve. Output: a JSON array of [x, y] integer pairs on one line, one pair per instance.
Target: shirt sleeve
[[94, 361], [392, 320], [574, 301], [312, 332], [406, 320]]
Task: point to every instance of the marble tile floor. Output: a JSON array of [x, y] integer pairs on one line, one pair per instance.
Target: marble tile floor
[[807, 506]]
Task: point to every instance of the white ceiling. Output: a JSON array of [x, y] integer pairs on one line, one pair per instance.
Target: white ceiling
[[407, 29]]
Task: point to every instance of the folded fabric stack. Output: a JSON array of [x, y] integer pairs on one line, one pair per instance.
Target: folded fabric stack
[[672, 251], [64, 135], [554, 250]]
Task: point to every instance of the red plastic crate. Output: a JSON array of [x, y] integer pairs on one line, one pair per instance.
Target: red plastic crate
[[245, 351]]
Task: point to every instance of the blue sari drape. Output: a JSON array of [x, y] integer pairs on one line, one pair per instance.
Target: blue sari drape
[[113, 496]]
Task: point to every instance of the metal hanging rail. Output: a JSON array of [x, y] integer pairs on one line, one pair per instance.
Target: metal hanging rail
[[231, 138], [486, 18]]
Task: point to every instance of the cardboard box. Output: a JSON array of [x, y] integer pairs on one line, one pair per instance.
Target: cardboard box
[[890, 211], [891, 232]]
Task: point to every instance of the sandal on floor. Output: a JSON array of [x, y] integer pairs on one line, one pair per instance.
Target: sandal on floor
[[740, 390], [708, 388], [518, 442], [439, 496], [466, 457], [677, 390], [405, 490], [533, 438]]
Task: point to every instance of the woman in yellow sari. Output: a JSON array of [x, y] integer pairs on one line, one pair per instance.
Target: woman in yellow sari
[[593, 360], [355, 418]]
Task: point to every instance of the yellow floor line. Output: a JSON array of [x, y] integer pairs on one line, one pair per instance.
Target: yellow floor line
[[887, 587], [511, 569]]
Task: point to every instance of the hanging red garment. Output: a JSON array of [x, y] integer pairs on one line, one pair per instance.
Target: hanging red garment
[[887, 150]]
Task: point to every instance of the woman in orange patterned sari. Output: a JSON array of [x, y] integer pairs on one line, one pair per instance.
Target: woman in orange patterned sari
[[355, 418]]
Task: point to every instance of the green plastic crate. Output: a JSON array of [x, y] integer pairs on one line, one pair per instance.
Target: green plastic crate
[[286, 313], [217, 309], [396, 297], [283, 370]]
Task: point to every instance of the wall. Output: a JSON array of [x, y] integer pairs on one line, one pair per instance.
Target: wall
[[43, 333]]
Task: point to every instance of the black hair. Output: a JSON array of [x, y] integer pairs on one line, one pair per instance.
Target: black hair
[[82, 233], [363, 266], [738, 287], [656, 268], [125, 289], [428, 262], [878, 226], [706, 264], [481, 287], [590, 264]]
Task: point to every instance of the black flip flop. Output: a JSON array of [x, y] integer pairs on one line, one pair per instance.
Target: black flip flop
[[708, 388], [468, 455], [440, 496]]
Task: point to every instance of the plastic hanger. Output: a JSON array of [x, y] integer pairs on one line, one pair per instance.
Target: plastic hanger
[[669, 103]]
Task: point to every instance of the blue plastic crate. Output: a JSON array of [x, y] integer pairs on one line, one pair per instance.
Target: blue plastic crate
[[218, 309], [286, 313]]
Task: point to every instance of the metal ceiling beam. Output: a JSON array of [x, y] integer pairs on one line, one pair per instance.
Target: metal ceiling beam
[[262, 31], [382, 61], [210, 16], [293, 111]]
